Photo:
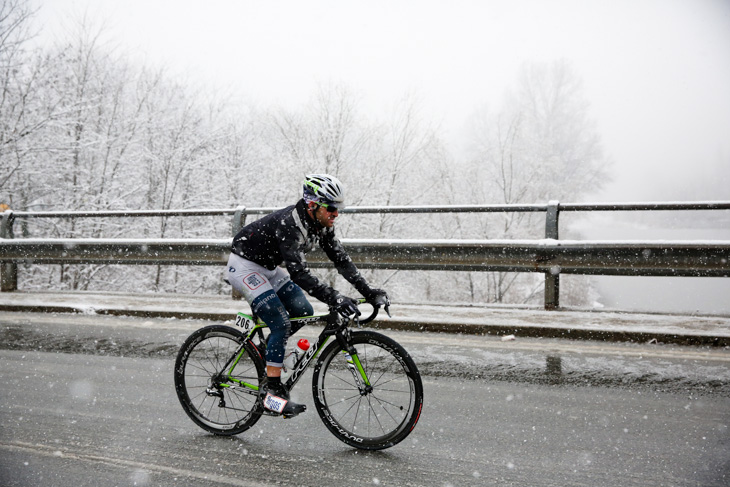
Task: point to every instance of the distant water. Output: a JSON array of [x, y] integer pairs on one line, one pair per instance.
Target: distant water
[[697, 295]]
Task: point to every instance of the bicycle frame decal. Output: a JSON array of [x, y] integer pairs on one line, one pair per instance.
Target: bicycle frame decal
[[304, 362], [308, 319]]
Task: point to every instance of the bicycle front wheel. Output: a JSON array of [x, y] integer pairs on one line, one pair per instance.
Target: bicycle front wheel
[[217, 377], [375, 411]]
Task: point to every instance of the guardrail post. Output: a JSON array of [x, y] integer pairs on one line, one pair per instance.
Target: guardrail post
[[551, 220], [8, 270], [552, 278], [239, 220]]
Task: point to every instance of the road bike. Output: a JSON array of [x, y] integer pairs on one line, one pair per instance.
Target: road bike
[[366, 387]]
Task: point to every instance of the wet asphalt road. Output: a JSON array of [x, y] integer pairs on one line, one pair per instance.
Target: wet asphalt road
[[88, 400]]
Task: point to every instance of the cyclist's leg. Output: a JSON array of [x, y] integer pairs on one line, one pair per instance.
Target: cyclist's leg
[[269, 308], [254, 283], [293, 299]]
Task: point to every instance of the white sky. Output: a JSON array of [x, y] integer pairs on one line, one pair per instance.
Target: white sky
[[656, 72]]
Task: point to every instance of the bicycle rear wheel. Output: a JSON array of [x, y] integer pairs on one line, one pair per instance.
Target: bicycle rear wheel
[[217, 376], [385, 412]]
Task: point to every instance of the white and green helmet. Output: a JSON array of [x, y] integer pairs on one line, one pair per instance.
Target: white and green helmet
[[324, 189]]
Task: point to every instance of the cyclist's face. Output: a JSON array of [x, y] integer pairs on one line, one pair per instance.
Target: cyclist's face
[[325, 217]]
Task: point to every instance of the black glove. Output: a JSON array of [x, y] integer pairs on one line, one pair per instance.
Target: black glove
[[378, 297], [346, 306]]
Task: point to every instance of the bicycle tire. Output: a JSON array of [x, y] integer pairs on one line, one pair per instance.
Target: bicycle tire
[[199, 369], [385, 415]]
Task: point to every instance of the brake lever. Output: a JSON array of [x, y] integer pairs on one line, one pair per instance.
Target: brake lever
[[387, 309], [355, 319]]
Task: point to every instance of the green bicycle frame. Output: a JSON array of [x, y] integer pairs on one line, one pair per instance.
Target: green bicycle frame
[[251, 328]]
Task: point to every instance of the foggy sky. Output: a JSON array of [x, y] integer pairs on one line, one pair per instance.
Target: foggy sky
[[656, 72]]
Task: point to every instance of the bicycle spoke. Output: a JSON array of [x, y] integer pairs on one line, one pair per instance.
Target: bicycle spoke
[[355, 405], [380, 403], [345, 399], [382, 429]]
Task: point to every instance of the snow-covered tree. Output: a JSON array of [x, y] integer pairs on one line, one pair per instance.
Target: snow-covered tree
[[540, 145], [83, 128]]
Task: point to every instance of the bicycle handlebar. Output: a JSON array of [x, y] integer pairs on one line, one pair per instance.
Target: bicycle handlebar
[[376, 310]]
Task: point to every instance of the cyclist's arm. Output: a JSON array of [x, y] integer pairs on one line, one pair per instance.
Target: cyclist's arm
[[292, 246], [343, 263]]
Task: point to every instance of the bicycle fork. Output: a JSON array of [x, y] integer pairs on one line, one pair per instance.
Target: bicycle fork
[[356, 369], [359, 375]]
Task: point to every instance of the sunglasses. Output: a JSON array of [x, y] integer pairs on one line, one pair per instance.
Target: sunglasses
[[330, 207]]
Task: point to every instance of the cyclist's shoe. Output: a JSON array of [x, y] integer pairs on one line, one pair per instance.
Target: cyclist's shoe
[[276, 399]]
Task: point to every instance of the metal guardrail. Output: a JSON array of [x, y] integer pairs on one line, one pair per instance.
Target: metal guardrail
[[668, 258], [549, 256]]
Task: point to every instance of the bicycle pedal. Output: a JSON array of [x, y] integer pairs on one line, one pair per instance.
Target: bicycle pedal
[[288, 416]]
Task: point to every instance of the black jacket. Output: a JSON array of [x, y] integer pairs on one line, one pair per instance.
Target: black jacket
[[284, 237]]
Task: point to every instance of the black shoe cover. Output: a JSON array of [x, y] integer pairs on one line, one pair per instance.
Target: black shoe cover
[[276, 399]]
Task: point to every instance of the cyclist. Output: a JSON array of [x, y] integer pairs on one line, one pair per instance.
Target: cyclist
[[283, 237]]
